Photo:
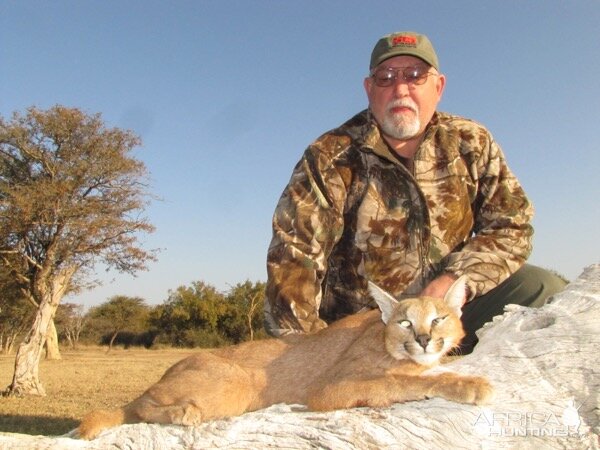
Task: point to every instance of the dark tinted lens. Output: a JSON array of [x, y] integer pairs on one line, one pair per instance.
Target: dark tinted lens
[[416, 75], [384, 77], [412, 75]]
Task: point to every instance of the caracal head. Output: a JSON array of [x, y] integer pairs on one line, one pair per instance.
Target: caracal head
[[421, 328]]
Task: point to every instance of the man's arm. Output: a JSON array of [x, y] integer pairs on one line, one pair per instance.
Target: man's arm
[[502, 239], [306, 225]]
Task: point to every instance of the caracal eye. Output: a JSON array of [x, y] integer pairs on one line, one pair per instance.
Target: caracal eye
[[438, 320], [405, 323]]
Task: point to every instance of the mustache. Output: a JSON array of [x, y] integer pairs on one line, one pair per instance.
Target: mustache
[[403, 103]]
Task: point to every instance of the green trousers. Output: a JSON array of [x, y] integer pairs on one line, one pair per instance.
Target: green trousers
[[529, 286]]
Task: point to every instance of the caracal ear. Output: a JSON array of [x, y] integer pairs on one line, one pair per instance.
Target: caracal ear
[[385, 301], [455, 296]]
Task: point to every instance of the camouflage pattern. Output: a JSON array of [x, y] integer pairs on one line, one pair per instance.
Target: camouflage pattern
[[353, 211]]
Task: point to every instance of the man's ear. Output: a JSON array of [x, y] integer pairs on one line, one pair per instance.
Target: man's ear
[[368, 85], [455, 296], [440, 85], [385, 301]]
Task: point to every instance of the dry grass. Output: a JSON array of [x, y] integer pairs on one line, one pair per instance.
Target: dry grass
[[85, 379]]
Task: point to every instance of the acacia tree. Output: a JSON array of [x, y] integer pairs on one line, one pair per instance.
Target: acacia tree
[[71, 195], [70, 319], [16, 312], [15, 316], [118, 314], [190, 316], [247, 300]]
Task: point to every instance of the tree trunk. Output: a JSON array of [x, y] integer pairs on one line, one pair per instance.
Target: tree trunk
[[52, 350], [253, 305], [112, 340], [9, 343], [70, 340], [76, 334], [250, 326], [25, 379]]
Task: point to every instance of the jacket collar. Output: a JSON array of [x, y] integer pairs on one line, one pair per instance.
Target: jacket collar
[[373, 140]]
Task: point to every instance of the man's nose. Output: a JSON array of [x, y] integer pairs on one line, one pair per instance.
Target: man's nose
[[400, 87]]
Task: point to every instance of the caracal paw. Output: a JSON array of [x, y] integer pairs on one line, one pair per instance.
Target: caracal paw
[[481, 392], [473, 390]]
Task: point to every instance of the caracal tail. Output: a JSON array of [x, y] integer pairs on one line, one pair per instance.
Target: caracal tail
[[96, 421]]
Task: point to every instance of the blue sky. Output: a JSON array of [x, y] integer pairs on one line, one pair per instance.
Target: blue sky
[[227, 94]]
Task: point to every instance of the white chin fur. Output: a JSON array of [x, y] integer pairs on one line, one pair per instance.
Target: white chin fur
[[426, 358]]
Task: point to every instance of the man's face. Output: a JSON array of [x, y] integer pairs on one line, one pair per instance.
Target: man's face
[[404, 108]]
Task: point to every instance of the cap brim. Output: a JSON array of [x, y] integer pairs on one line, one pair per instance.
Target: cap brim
[[404, 52]]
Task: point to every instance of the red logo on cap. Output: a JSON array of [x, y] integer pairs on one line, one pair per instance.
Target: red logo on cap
[[404, 40]]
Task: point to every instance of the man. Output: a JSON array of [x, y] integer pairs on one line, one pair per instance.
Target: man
[[407, 197]]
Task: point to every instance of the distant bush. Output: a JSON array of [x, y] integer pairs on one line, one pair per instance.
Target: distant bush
[[203, 339], [191, 338], [128, 339], [200, 316]]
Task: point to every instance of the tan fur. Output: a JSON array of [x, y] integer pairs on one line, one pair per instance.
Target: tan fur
[[357, 361]]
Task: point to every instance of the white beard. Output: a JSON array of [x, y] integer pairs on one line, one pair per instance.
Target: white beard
[[401, 126]]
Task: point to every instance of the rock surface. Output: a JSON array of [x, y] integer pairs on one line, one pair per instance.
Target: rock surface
[[543, 362]]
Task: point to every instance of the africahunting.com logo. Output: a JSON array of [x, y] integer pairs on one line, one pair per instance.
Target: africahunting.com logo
[[529, 423]]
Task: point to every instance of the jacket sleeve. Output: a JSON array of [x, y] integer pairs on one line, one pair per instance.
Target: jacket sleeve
[[501, 242], [306, 225]]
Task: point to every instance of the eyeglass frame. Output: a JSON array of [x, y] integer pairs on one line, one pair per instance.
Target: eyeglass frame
[[396, 71]]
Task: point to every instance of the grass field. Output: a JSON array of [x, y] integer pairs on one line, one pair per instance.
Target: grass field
[[84, 379]]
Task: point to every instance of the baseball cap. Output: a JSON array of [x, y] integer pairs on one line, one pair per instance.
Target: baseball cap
[[404, 43]]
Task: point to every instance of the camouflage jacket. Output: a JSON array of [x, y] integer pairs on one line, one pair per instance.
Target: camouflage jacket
[[353, 211]]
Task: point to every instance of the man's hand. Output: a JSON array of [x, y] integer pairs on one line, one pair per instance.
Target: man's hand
[[438, 287]]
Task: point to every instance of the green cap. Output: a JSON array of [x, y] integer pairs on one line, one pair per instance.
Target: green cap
[[404, 43]]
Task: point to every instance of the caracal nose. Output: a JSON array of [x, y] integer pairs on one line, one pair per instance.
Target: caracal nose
[[423, 340]]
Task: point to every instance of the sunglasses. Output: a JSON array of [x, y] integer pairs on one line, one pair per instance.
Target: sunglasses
[[413, 76]]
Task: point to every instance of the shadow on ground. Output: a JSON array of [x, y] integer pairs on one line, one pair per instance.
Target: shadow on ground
[[36, 425]]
